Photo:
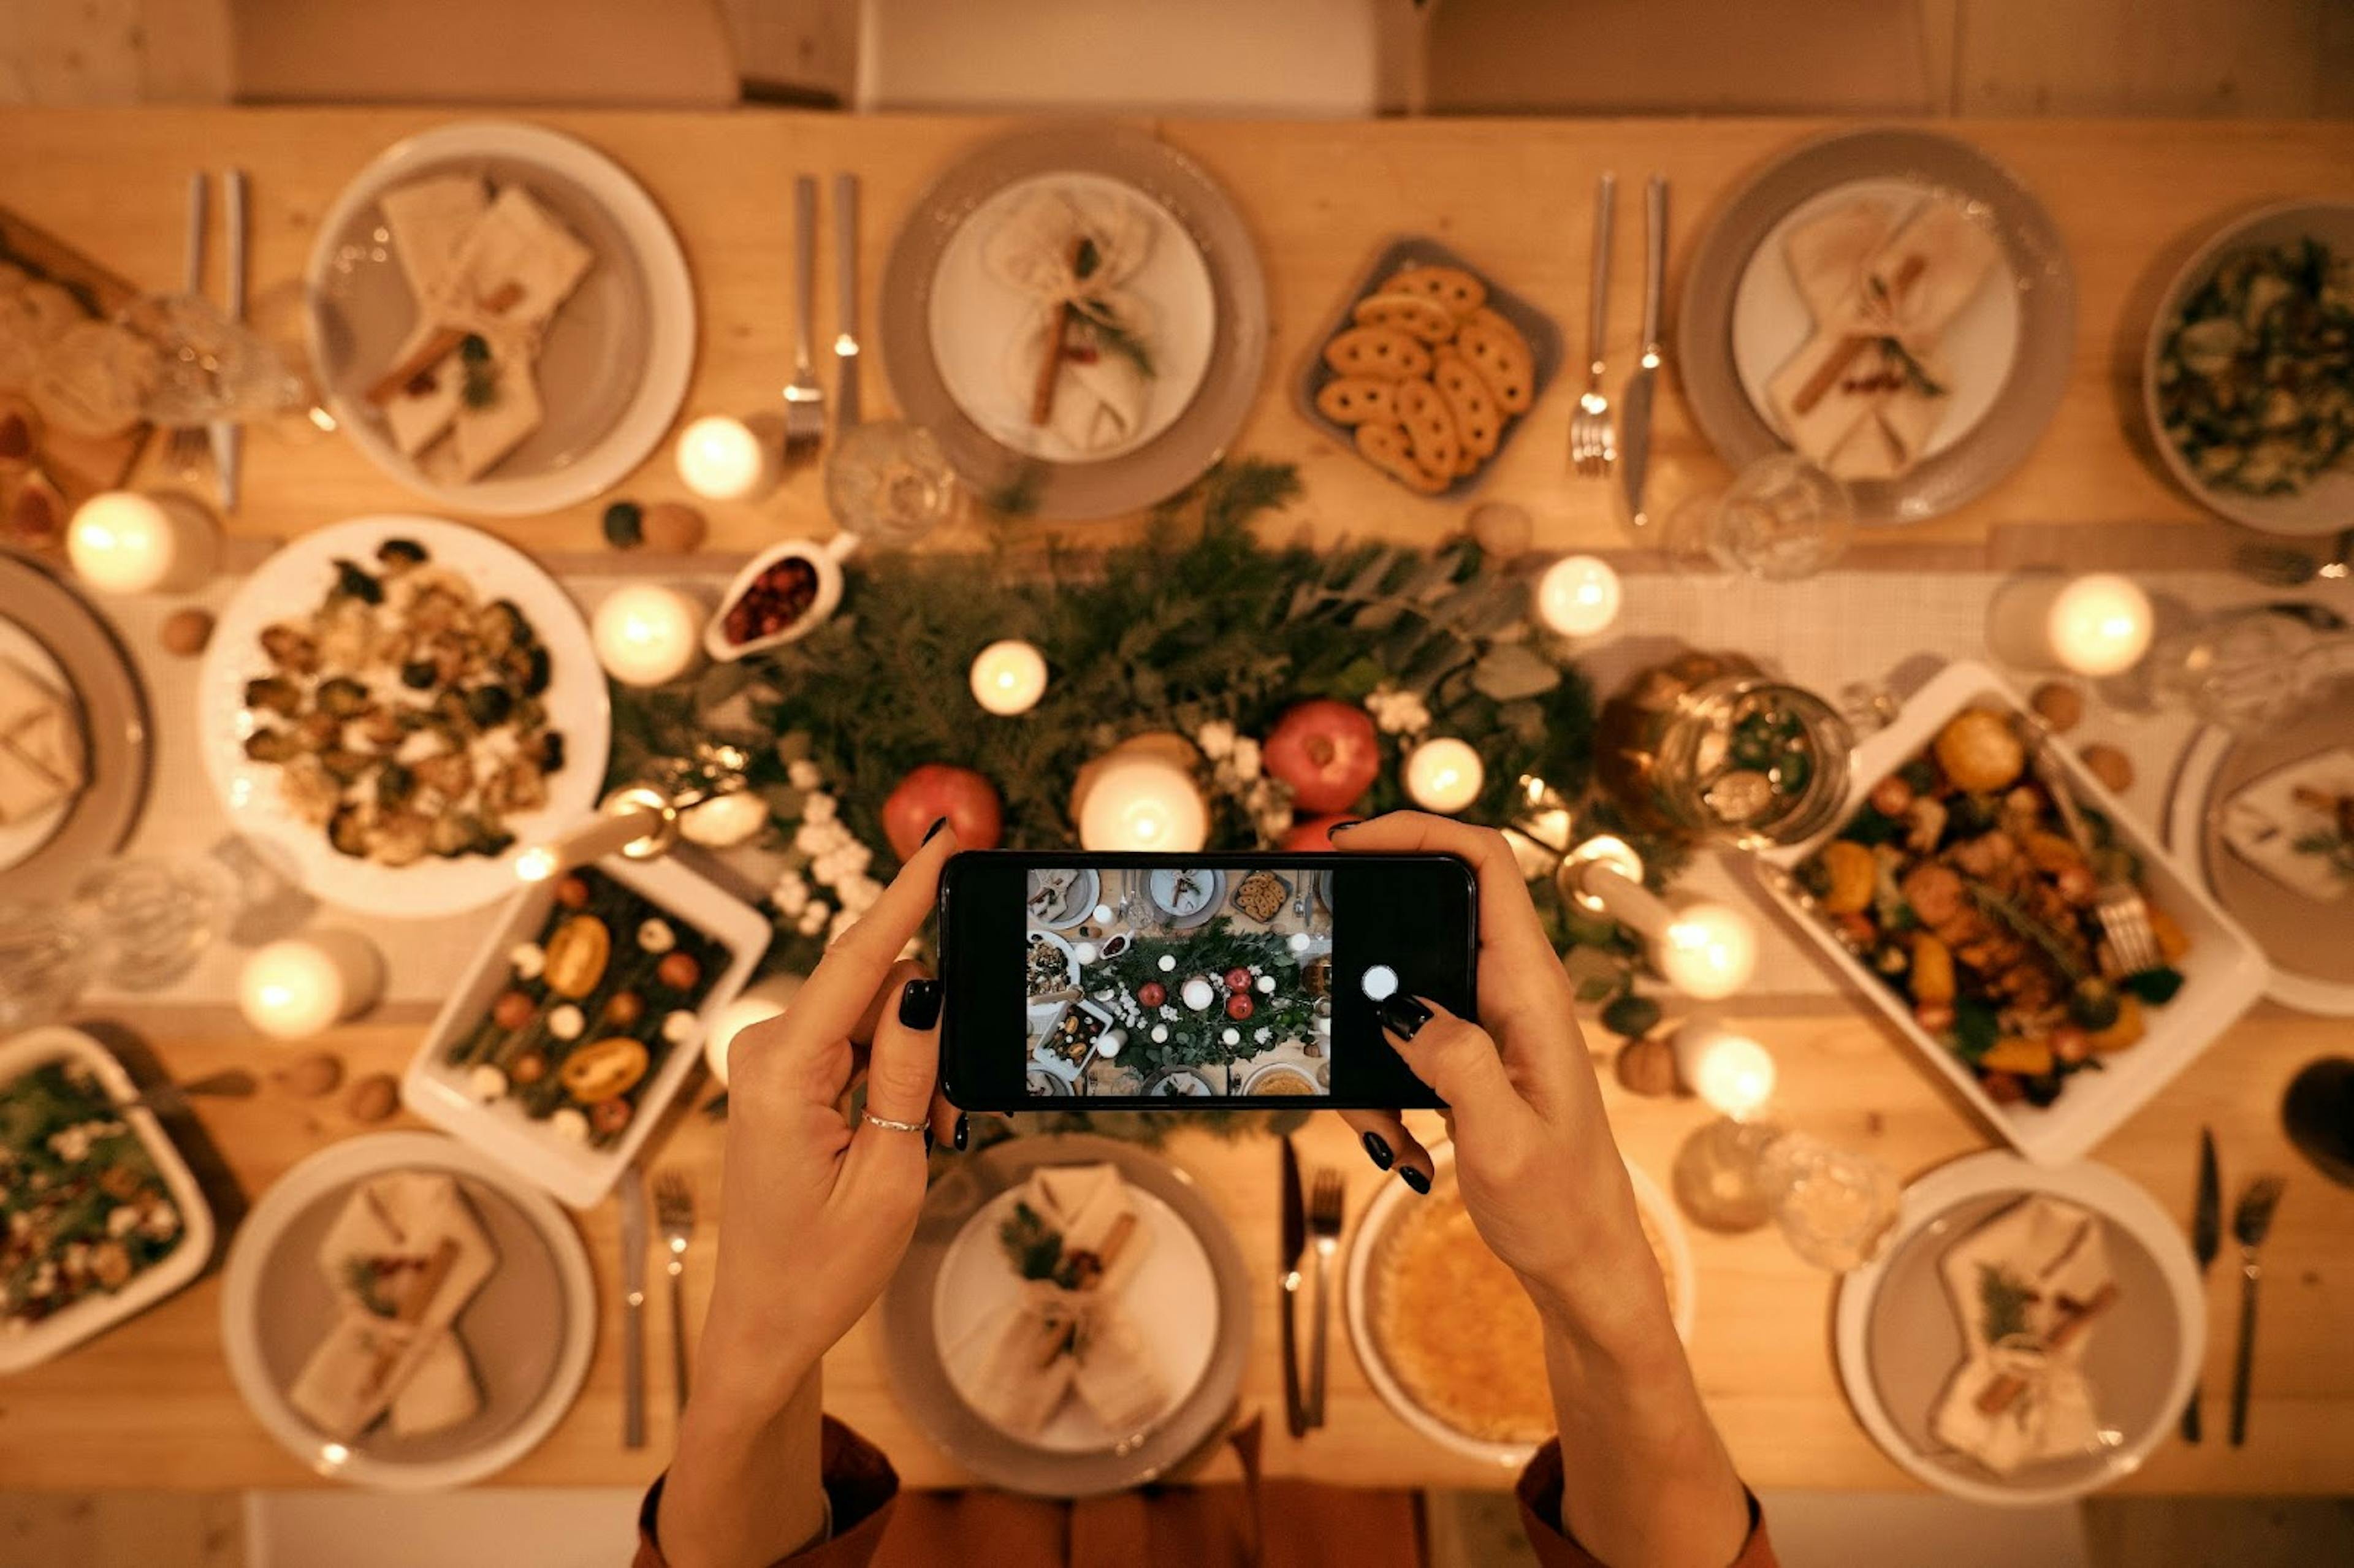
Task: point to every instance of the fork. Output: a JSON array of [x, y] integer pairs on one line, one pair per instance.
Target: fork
[[674, 1211], [804, 399], [185, 446], [2251, 1221], [1593, 445], [2285, 565], [1324, 1229], [2118, 904]]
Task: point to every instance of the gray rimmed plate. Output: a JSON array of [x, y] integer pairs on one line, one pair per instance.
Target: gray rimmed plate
[[1191, 442], [912, 1352], [2038, 320]]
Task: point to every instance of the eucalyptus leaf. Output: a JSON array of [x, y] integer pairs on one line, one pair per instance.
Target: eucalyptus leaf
[[1377, 616], [1510, 670]]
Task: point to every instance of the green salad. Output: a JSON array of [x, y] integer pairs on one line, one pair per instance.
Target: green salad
[[82, 1207], [2255, 379]]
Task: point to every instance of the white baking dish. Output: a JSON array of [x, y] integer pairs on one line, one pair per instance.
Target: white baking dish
[[2223, 973]]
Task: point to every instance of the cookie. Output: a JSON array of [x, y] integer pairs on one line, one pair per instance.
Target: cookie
[[1420, 314], [1430, 428], [1478, 423], [94, 377], [1377, 351], [1388, 448], [1452, 287], [1501, 358], [1358, 400]]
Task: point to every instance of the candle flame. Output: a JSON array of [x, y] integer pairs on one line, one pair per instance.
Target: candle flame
[[536, 864]]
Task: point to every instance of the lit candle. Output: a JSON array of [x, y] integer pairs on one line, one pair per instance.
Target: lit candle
[[647, 633], [1731, 1072], [1144, 802], [757, 1004], [1709, 951], [1578, 595], [1009, 677], [721, 459], [2097, 624], [631, 821], [1444, 775], [295, 987], [122, 542]]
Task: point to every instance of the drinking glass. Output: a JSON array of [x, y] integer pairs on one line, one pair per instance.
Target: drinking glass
[[1837, 1208], [208, 368], [889, 483], [44, 962], [150, 920], [1783, 518], [2246, 670]]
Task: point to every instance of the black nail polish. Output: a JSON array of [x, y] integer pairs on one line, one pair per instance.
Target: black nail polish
[[1336, 829], [1378, 1150], [963, 1132], [919, 1004], [933, 832], [1414, 1179], [1403, 1015]]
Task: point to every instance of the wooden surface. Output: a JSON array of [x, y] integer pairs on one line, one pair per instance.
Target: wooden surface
[[153, 1405]]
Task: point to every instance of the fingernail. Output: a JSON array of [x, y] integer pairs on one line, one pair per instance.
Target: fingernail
[[933, 832], [1403, 1015], [919, 1004], [1350, 826], [1414, 1179], [963, 1132], [1377, 1150]]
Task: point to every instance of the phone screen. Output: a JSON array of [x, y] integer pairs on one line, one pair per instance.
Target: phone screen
[[1083, 980]]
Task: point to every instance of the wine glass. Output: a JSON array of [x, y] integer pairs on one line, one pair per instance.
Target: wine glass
[[889, 483], [2248, 669], [1836, 1208], [1783, 518], [208, 368]]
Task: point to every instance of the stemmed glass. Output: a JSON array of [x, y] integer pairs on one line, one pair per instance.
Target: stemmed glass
[[1783, 518]]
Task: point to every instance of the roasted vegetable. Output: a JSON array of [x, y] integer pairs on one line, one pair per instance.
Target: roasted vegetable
[[600, 1071], [576, 956]]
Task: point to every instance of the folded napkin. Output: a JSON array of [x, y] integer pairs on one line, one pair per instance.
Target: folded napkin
[[2027, 1287], [1865, 392], [403, 1258], [2293, 824], [1066, 254], [41, 746]]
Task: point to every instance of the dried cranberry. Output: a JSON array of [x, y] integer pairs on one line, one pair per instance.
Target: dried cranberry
[[774, 600]]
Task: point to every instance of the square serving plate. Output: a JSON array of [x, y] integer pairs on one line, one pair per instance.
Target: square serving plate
[[95, 1313], [2223, 973], [577, 1174], [1417, 251]]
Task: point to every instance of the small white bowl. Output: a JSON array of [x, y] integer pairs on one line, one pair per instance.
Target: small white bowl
[[825, 559]]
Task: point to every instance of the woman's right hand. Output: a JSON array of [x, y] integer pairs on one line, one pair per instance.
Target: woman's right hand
[[1533, 1154]]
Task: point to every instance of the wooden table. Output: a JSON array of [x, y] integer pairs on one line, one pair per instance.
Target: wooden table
[[152, 1404]]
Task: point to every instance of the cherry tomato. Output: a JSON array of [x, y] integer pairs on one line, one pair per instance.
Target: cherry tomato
[[572, 892], [609, 1116], [625, 1009], [527, 1068], [678, 970]]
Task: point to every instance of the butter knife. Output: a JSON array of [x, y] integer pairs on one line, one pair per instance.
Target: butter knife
[[1293, 1208], [1635, 408], [845, 269], [633, 1309], [227, 439], [2206, 1241]]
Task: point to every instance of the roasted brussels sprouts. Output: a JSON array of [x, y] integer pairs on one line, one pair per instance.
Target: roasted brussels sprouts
[[343, 696], [272, 745], [490, 704], [394, 785], [274, 695], [419, 674], [551, 751], [347, 831], [397, 555], [352, 581]]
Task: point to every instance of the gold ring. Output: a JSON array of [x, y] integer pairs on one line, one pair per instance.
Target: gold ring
[[888, 1124]]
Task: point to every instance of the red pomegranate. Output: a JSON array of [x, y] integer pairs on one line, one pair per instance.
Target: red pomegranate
[[935, 790], [1327, 751]]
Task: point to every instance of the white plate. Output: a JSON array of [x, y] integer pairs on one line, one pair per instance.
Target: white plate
[[244, 1303], [575, 1172], [291, 585], [1077, 909], [1358, 1288], [96, 1313], [1173, 1299], [975, 320], [1770, 322], [633, 314], [19, 647], [1162, 886], [2223, 974], [2179, 1355]]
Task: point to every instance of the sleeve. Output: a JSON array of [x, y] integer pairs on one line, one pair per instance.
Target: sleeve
[[860, 1486], [1539, 1494]]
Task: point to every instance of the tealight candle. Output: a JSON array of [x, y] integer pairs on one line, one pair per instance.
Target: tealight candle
[[1143, 801], [1009, 677], [122, 542], [1729, 1072], [1709, 951], [2097, 624], [295, 987], [648, 634], [756, 1004], [1578, 595], [722, 459], [1444, 775]]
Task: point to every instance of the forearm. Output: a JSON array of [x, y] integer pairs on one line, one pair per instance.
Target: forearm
[[745, 1486]]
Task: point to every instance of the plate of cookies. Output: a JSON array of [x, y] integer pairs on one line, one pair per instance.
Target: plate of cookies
[[1428, 367]]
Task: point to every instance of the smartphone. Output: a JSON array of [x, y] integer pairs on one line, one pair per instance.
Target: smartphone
[[1149, 981]]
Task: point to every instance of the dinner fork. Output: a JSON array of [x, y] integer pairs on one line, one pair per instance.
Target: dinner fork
[[1593, 445], [804, 399], [185, 447], [2118, 904], [1324, 1229], [674, 1211], [2251, 1221]]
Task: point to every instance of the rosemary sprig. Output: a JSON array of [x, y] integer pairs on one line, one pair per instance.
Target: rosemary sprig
[[2022, 924], [1110, 332], [1919, 378]]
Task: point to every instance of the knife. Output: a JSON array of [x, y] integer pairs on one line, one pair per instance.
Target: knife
[[227, 439], [633, 1309], [1293, 1207], [1635, 408], [2206, 1241], [845, 268]]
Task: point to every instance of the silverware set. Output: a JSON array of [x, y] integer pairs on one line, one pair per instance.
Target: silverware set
[[1314, 1223], [1596, 444], [675, 1210], [805, 401], [674, 1213], [185, 448], [2251, 1221]]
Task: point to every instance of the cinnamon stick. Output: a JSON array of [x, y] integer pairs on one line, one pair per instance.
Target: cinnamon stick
[[437, 347], [1828, 374], [2003, 1392], [1050, 368]]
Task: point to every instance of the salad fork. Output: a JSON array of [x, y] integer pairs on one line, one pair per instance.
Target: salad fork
[[185, 445], [2118, 904], [804, 399], [2251, 1221], [1593, 445], [1324, 1229], [674, 1211]]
